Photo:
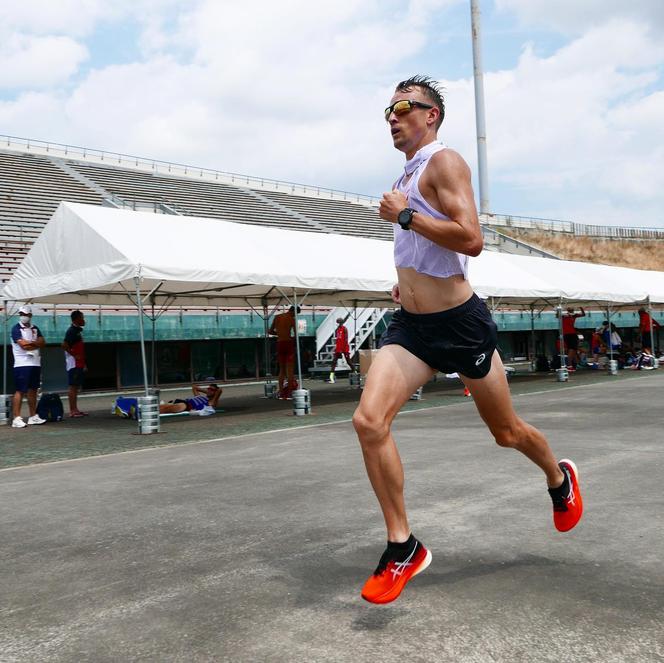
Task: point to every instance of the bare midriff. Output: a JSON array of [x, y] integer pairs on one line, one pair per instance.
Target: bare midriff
[[421, 293]]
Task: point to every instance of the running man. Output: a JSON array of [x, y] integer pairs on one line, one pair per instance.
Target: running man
[[341, 348], [442, 326], [283, 327]]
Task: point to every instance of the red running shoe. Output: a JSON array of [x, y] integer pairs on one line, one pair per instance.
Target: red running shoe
[[391, 575], [567, 502]]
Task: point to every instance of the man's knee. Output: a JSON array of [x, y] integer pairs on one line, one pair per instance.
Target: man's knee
[[508, 436], [370, 428]]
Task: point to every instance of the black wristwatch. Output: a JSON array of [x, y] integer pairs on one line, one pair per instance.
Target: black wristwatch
[[405, 218]]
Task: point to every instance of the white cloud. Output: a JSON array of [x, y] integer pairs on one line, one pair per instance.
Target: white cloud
[[294, 90], [575, 17], [70, 17], [581, 129], [36, 62]]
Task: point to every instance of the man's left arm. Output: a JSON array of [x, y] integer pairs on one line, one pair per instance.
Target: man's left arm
[[40, 342], [448, 177]]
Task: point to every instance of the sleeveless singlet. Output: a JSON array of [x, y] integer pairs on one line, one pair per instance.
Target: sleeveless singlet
[[411, 249]]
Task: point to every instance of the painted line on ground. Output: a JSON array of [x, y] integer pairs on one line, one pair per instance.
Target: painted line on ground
[[291, 428]]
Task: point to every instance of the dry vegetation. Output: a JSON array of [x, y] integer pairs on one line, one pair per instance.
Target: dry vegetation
[[638, 254]]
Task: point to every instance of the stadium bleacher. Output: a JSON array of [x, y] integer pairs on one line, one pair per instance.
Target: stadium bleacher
[[33, 185]]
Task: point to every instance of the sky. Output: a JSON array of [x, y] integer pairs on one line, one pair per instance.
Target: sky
[[295, 90]]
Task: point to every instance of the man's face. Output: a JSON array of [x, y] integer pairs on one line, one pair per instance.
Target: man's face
[[409, 129], [80, 321]]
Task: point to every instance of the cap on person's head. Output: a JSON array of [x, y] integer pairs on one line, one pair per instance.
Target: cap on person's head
[[340, 320], [26, 309]]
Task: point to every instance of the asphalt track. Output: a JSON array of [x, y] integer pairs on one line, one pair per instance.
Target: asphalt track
[[254, 548]]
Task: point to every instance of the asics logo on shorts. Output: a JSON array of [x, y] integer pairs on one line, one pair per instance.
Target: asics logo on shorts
[[480, 359]]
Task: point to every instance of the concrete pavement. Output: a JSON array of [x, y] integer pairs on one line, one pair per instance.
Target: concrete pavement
[[255, 548]]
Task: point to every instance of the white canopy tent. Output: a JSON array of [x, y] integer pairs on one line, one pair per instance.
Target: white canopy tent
[[91, 254], [96, 255]]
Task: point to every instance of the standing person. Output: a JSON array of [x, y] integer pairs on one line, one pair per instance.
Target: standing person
[[27, 342], [341, 348], [441, 326], [647, 340], [75, 361], [571, 335], [283, 327]]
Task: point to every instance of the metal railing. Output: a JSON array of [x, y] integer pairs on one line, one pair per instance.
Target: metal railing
[[554, 225], [174, 168]]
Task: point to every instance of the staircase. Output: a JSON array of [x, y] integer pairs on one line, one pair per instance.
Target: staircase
[[359, 322]]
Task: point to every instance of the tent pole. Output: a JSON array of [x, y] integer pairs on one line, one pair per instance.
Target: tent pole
[[532, 338], [266, 344], [297, 342], [4, 350], [154, 320], [652, 337], [357, 349], [561, 338], [608, 318], [139, 303]]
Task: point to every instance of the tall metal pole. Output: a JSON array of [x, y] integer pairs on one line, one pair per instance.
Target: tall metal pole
[[4, 349], [139, 303], [479, 108], [297, 342], [652, 331]]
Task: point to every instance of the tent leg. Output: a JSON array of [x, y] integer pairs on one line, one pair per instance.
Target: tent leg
[[268, 372], [154, 376], [5, 415], [561, 341], [4, 349], [611, 366], [533, 350], [297, 343], [652, 333], [139, 304]]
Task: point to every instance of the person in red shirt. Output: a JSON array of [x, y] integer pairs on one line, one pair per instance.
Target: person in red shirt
[[75, 361], [283, 327], [341, 348], [571, 335], [647, 344]]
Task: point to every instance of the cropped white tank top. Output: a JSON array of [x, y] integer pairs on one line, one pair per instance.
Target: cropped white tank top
[[411, 249]]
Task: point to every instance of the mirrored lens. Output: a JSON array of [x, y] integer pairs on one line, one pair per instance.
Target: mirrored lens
[[398, 108], [402, 107]]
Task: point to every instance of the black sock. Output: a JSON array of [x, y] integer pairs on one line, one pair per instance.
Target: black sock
[[564, 487], [404, 547]]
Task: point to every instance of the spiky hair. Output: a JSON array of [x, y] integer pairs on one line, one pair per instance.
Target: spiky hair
[[431, 89]]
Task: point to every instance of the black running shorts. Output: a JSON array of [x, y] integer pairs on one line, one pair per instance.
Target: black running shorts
[[459, 340], [571, 341]]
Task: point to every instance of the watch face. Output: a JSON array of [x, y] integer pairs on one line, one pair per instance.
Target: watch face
[[405, 217]]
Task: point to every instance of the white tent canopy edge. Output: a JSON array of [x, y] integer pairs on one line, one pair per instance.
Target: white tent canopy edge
[[91, 254]]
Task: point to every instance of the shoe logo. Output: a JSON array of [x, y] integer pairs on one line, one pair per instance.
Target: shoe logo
[[570, 498], [399, 567], [480, 359]]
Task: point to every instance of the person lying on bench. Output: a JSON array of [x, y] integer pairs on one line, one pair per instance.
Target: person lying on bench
[[208, 397]]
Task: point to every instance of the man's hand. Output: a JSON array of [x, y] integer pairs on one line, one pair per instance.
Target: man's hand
[[395, 294], [392, 203]]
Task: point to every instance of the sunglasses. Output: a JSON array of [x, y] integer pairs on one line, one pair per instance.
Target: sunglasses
[[402, 107]]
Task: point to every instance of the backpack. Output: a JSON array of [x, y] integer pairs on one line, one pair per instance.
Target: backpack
[[127, 408], [50, 407]]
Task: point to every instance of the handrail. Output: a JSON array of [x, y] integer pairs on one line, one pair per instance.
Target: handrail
[[157, 165], [571, 227]]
